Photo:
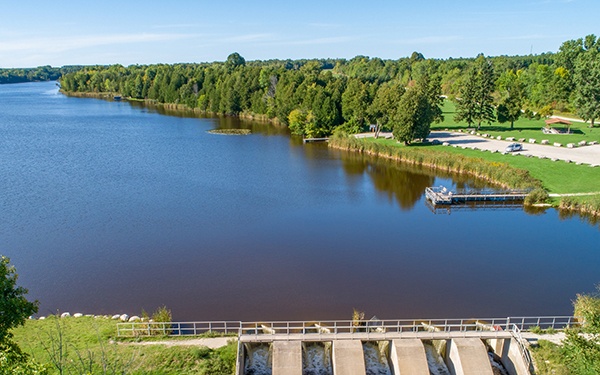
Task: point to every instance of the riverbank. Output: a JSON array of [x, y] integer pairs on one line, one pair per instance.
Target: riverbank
[[181, 108], [542, 175]]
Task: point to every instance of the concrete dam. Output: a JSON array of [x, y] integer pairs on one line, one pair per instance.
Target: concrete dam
[[371, 347]]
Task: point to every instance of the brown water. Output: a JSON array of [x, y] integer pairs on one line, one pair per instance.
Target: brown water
[[108, 208]]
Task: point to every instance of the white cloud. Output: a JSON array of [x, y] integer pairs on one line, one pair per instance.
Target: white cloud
[[249, 38], [61, 44], [429, 40]]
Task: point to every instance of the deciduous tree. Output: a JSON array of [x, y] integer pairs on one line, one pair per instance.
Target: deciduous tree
[[511, 102], [587, 80]]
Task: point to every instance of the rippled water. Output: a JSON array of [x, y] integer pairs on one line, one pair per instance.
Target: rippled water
[[110, 207]]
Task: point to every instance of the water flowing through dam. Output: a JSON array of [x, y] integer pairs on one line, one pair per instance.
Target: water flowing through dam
[[316, 358], [435, 361], [258, 359], [376, 357]]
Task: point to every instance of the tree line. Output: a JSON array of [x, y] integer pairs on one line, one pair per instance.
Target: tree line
[[314, 97], [41, 73]]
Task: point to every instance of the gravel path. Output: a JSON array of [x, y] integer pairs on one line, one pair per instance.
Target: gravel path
[[582, 155], [213, 342]]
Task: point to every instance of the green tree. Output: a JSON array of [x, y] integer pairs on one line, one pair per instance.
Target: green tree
[[409, 116], [355, 101], [234, 60], [303, 123], [476, 102], [385, 104], [14, 310], [587, 80], [511, 102]]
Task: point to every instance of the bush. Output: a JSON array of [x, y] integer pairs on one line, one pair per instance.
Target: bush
[[587, 306], [536, 196], [537, 330]]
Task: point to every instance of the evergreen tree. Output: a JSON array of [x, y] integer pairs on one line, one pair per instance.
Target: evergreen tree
[[476, 102]]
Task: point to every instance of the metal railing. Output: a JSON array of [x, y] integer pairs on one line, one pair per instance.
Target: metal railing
[[136, 329], [516, 333], [345, 327]]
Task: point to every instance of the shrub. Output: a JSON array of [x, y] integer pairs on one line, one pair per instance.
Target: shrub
[[537, 330], [587, 306], [538, 195]]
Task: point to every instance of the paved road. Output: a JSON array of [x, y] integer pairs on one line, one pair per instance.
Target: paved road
[[584, 155]]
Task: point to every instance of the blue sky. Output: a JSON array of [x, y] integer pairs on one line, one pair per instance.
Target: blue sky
[[57, 33]]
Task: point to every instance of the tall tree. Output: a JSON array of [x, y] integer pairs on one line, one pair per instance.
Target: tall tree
[[419, 107], [14, 310], [476, 102], [385, 104], [355, 101], [511, 102], [587, 80]]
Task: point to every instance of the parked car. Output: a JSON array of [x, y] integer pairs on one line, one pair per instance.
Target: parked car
[[513, 147]]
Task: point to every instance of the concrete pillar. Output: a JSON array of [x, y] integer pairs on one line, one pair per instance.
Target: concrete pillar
[[515, 359], [466, 356], [287, 358], [510, 355], [409, 357], [348, 357]]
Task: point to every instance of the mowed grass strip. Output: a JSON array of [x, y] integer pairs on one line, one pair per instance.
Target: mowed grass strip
[[523, 128], [557, 177]]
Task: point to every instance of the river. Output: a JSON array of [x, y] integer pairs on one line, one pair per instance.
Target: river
[[112, 207]]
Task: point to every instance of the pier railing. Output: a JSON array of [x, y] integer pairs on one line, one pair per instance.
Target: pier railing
[[349, 328]]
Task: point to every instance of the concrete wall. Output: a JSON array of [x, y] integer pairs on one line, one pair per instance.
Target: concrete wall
[[348, 357], [466, 356], [510, 355], [408, 357], [287, 358]]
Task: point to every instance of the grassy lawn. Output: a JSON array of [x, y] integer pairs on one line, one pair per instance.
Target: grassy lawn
[[557, 176], [524, 128], [90, 345]]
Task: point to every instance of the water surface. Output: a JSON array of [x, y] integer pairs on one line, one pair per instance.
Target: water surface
[[108, 207]]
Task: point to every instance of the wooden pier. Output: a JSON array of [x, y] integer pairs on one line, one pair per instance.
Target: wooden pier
[[442, 196], [312, 140]]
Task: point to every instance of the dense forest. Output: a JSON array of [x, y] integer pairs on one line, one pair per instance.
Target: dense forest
[[314, 97], [41, 73]]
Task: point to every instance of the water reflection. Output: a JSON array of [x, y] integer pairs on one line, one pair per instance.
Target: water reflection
[[400, 182]]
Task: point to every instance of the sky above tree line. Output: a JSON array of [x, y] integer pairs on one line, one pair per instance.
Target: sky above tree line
[[34, 33]]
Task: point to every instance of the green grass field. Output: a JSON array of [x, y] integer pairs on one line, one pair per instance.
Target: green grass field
[[523, 128], [557, 177], [89, 345]]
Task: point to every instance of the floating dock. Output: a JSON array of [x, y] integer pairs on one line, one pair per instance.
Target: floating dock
[[442, 196], [312, 140]]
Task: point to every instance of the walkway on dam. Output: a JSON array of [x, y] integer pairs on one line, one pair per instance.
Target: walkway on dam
[[444, 346]]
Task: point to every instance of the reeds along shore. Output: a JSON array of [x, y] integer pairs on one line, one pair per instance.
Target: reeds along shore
[[501, 174], [498, 173]]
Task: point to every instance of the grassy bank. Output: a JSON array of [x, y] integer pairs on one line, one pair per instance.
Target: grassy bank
[[511, 171], [496, 172], [89, 345]]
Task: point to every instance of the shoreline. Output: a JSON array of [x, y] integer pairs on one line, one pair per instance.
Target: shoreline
[[181, 108], [565, 205]]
